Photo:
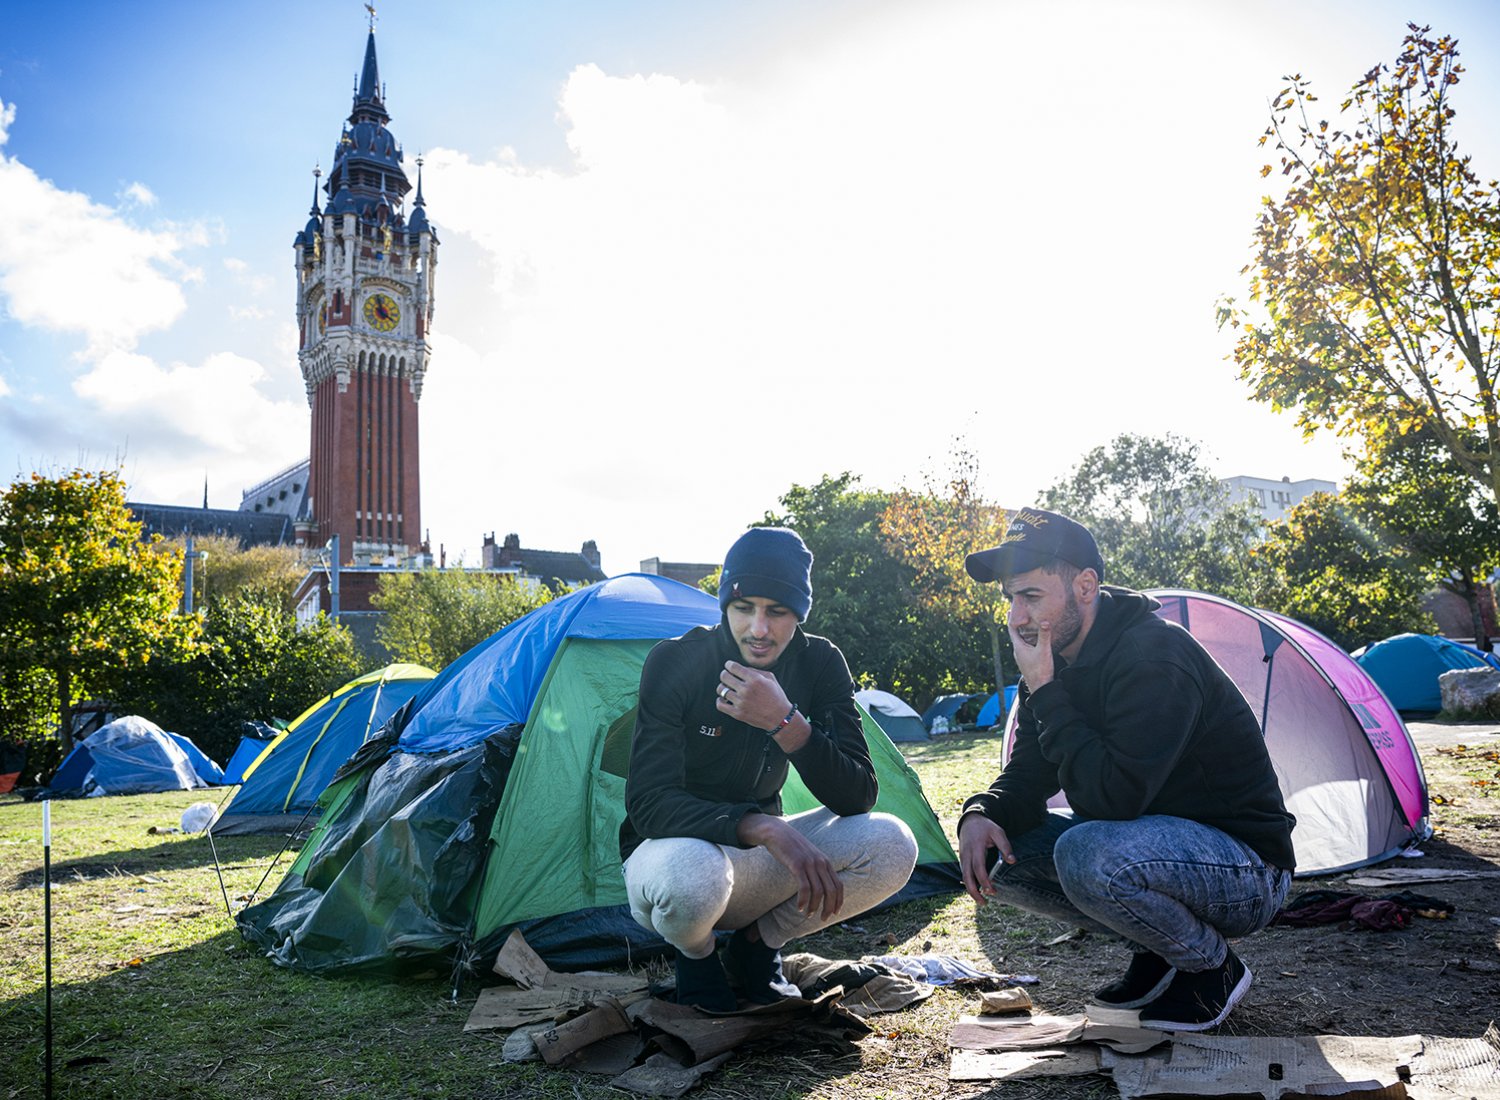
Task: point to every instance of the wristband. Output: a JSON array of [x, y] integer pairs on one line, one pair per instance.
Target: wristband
[[785, 722]]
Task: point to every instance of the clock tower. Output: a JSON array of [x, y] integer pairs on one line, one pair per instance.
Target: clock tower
[[365, 271]]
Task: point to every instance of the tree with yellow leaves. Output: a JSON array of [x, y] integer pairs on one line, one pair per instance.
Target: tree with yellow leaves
[[1376, 277], [933, 530]]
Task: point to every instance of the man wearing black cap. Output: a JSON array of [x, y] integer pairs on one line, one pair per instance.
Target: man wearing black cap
[[724, 711], [1176, 837]]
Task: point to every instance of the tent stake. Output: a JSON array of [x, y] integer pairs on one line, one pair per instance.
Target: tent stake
[[47, 923]]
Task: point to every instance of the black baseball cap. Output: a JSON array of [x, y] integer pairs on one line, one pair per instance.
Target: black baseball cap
[[1036, 538]]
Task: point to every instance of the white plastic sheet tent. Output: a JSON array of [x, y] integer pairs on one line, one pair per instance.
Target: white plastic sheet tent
[[131, 755]]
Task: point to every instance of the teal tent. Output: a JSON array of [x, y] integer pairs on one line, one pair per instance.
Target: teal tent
[[1407, 667], [497, 802]]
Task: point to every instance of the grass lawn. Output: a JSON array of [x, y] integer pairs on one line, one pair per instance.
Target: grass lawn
[[156, 995]]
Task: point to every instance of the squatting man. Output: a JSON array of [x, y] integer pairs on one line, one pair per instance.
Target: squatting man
[[724, 712], [1176, 838]]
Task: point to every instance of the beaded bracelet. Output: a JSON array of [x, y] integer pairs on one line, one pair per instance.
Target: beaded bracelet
[[785, 722]]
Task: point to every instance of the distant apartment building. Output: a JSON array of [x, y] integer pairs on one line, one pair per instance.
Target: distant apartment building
[[1274, 498], [688, 572]]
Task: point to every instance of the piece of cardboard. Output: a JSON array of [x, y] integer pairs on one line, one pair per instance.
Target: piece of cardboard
[[1451, 1068], [1269, 1066], [505, 1006], [1001, 1001], [1399, 876], [978, 1065], [997, 1033], [560, 1045], [518, 962]]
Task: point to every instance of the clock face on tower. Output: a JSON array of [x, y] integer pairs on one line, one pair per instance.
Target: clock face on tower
[[382, 312]]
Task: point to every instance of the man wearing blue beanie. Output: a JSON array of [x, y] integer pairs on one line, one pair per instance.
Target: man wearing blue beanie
[[724, 712]]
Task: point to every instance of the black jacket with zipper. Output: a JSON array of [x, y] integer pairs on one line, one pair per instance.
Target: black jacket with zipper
[[694, 771], [1142, 722]]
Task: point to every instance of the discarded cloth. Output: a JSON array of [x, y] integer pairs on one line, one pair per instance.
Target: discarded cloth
[[938, 969], [692, 1036], [1395, 911], [869, 988]]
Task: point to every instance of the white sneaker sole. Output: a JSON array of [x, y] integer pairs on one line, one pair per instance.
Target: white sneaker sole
[[1236, 995], [1141, 1002]]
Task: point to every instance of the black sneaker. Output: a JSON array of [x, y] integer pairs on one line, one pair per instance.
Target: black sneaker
[[702, 983], [756, 969], [1199, 1001], [1145, 980]]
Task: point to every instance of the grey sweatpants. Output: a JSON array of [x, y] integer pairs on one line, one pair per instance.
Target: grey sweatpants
[[683, 888]]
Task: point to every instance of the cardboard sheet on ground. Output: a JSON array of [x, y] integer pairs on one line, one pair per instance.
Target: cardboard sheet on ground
[[1318, 1065], [983, 1065], [518, 962], [541, 993], [1398, 876], [1413, 1067], [1010, 1033]]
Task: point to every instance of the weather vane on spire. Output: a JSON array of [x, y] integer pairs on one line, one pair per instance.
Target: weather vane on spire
[[371, 9]]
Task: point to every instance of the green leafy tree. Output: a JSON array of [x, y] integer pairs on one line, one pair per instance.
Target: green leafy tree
[[864, 596], [28, 718], [252, 662], [225, 568], [931, 531], [1376, 274], [1324, 567], [82, 597], [1413, 490], [434, 616], [1161, 517]]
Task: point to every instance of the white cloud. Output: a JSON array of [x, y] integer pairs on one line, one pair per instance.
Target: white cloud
[[4, 388], [180, 419], [139, 194], [885, 241], [70, 264]]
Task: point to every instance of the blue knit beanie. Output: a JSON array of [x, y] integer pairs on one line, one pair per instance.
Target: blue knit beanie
[[770, 562]]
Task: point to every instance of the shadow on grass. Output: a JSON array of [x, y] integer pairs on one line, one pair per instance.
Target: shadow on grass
[[950, 744], [215, 1020], [170, 855]]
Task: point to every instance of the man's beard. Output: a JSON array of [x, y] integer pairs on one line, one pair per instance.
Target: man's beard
[[1066, 630]]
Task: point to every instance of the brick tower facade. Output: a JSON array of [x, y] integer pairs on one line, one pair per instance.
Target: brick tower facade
[[365, 274]]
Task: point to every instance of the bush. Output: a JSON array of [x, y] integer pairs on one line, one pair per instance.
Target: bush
[[253, 662]]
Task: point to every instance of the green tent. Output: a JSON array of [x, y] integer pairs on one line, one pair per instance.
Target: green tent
[[498, 803]]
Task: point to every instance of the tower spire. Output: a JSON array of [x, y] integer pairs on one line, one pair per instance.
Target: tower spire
[[369, 74], [317, 175]]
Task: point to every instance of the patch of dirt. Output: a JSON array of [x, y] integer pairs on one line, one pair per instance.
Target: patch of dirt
[[1438, 977]]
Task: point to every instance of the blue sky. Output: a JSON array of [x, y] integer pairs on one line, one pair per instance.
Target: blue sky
[[693, 252]]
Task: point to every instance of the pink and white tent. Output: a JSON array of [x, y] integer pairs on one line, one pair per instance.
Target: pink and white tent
[[1347, 765]]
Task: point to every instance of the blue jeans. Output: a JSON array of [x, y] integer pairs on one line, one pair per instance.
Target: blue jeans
[[1165, 884]]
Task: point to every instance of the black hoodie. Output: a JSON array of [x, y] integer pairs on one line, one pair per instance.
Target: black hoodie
[[1142, 722], [694, 771]]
